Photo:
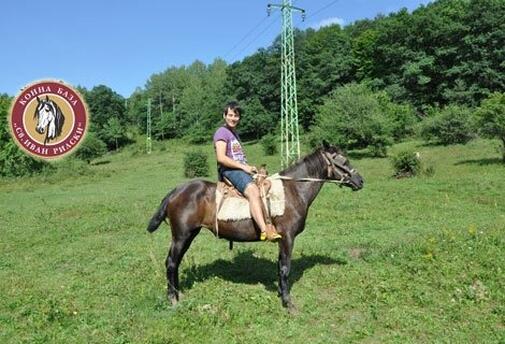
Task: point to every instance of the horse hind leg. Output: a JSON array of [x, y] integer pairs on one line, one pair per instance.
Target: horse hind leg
[[178, 248]]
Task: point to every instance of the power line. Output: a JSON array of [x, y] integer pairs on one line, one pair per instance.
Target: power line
[[257, 36], [313, 14], [246, 35], [322, 9]]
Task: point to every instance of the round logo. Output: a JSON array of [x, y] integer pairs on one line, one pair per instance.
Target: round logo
[[48, 119]]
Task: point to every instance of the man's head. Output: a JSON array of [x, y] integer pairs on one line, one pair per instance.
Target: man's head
[[231, 114]]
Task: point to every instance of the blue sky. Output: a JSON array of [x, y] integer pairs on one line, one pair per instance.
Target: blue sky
[[121, 43]]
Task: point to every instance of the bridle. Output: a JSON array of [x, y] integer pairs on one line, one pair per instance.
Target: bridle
[[337, 171], [336, 168]]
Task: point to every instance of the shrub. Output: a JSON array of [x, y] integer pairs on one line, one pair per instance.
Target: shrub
[[15, 163], [406, 164], [195, 165], [91, 148], [269, 144], [450, 125], [490, 118]]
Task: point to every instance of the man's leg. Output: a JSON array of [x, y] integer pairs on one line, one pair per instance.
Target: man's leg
[[252, 194]]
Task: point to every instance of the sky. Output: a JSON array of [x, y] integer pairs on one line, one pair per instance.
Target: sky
[[122, 43]]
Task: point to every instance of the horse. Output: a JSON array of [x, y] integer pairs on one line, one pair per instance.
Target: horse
[[50, 119], [191, 206]]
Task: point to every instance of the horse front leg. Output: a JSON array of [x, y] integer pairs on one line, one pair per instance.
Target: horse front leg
[[177, 250], [284, 265]]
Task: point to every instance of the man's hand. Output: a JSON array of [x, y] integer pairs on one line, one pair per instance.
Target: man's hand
[[250, 169]]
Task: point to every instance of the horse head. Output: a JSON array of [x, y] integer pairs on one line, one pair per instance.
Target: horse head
[[339, 167], [45, 114], [50, 119]]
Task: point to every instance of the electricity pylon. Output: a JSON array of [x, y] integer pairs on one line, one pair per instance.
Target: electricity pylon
[[148, 133], [290, 135]]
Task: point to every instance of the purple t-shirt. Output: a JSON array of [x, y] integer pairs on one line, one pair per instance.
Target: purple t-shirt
[[233, 147]]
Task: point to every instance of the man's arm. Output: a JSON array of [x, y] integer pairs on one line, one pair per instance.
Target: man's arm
[[226, 161]]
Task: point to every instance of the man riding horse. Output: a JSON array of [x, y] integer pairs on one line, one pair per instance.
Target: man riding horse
[[193, 205], [233, 167]]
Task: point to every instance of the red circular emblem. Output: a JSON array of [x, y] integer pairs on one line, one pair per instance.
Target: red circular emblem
[[48, 119]]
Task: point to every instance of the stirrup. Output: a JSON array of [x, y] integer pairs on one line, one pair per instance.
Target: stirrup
[[271, 233], [272, 237]]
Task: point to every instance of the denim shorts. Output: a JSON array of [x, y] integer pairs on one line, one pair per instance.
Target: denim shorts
[[238, 178]]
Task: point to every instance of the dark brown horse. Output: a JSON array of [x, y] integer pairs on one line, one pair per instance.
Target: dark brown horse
[[191, 206]]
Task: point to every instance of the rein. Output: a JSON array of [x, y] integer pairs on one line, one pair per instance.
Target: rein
[[331, 161], [341, 181]]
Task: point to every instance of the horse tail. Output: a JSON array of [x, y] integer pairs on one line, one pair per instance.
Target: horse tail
[[160, 214]]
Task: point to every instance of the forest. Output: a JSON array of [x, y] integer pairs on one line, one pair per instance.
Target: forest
[[437, 73]]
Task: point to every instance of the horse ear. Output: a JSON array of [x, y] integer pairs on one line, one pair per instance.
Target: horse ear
[[38, 99], [47, 98]]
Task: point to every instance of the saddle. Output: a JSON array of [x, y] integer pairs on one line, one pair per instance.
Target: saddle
[[228, 191]]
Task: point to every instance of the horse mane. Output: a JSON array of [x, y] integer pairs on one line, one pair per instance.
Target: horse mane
[[60, 119], [312, 162]]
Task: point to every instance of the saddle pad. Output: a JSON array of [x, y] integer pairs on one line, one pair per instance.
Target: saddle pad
[[235, 208]]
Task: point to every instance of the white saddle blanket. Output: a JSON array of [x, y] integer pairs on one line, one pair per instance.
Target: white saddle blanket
[[234, 208]]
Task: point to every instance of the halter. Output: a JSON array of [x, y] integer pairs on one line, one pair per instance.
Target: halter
[[334, 162]]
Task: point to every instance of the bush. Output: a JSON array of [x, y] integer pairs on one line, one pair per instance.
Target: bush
[[490, 118], [409, 164], [450, 125], [15, 163], [406, 164], [353, 116], [91, 148], [269, 144], [195, 165]]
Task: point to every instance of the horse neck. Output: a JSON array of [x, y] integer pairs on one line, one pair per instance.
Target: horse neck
[[307, 191]]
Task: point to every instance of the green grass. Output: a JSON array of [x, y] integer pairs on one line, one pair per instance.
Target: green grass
[[410, 260]]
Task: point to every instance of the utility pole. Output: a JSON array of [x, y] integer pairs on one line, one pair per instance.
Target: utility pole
[[148, 134], [290, 134]]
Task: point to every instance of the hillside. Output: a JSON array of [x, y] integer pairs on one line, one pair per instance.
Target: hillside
[[410, 260]]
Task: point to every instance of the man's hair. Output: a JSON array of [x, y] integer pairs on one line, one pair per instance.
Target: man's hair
[[233, 105]]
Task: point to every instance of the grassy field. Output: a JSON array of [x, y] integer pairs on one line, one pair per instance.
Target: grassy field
[[410, 260]]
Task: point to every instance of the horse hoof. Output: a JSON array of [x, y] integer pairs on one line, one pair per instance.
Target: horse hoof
[[292, 309], [290, 306], [174, 301]]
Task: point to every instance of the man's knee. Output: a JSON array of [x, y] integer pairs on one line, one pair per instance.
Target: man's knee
[[251, 191]]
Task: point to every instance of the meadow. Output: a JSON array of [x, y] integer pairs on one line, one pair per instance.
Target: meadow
[[411, 260]]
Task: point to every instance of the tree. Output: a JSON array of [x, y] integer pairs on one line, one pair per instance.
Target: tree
[[353, 116], [490, 118], [256, 121], [112, 132], [108, 115]]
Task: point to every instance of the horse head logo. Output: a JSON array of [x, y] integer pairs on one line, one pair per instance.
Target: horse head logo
[[50, 119]]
